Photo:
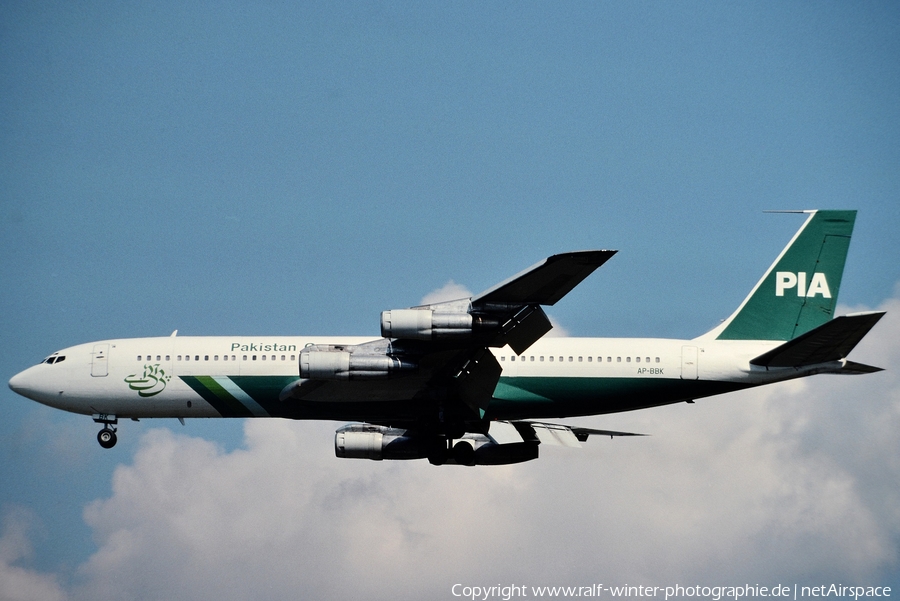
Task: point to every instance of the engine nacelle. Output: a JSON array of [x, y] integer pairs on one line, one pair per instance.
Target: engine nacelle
[[366, 441], [426, 324], [342, 365], [492, 453]]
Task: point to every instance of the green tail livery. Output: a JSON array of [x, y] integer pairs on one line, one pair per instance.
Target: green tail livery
[[799, 291]]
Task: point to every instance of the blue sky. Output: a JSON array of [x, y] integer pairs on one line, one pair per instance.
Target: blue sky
[[296, 168]]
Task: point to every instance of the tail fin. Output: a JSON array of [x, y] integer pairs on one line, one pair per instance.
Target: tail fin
[[799, 291]]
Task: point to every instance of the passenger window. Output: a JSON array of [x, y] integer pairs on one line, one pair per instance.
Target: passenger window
[[609, 359], [187, 357], [627, 359], [282, 357], [139, 358], [570, 359], [254, 357], [224, 357], [657, 359], [638, 359], [196, 357], [648, 359], [157, 358], [512, 357], [168, 357], [551, 358], [245, 358], [618, 359], [263, 357], [292, 358], [532, 357], [589, 359], [215, 357]]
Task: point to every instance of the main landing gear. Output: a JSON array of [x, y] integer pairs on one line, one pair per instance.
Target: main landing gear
[[443, 449], [107, 436]]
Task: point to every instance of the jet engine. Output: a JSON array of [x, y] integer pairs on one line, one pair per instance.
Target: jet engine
[[318, 364], [367, 441], [428, 324], [364, 441]]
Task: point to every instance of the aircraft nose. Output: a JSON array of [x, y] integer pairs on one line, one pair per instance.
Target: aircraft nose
[[23, 383]]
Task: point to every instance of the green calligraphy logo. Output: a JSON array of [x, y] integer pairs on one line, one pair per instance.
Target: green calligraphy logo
[[152, 382]]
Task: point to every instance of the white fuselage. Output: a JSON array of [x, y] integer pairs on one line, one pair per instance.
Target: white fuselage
[[187, 376]]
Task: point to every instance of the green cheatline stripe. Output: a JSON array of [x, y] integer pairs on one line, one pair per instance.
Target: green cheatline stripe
[[221, 400], [264, 390], [241, 396], [595, 392]]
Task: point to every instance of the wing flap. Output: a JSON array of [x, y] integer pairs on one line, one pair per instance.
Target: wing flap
[[523, 329], [555, 435], [501, 432], [477, 379], [580, 434]]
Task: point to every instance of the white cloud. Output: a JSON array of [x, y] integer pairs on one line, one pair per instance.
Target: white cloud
[[448, 292], [18, 583], [558, 331], [789, 483]]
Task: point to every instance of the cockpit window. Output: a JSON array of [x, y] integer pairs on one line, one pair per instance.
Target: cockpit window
[[54, 359]]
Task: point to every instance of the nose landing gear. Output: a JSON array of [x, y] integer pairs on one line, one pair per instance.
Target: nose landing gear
[[107, 436]]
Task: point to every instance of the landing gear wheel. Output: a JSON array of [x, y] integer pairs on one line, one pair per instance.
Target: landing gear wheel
[[464, 453], [106, 438], [437, 453]]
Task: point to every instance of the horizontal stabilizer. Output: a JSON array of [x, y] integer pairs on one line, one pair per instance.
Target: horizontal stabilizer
[[546, 282], [831, 341], [853, 368]]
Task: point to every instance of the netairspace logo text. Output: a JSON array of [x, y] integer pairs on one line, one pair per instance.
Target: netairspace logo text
[[713, 593]]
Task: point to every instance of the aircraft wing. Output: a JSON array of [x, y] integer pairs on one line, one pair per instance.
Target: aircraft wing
[[441, 351], [546, 282], [568, 436], [516, 431]]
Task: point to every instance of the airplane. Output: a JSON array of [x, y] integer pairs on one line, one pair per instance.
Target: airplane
[[471, 381]]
